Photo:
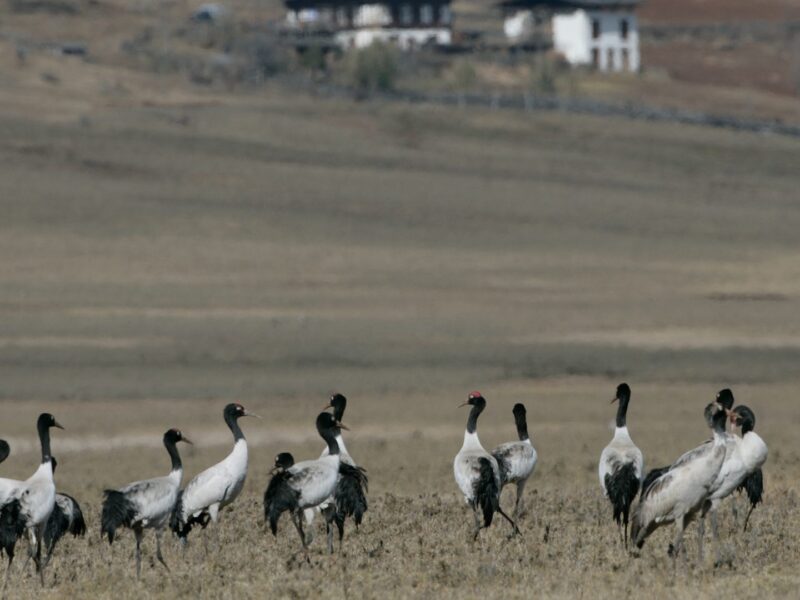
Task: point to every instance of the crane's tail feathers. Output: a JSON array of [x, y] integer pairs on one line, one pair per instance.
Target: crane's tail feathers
[[182, 525], [487, 491], [753, 486], [651, 477], [278, 498], [78, 526], [118, 512], [350, 494], [622, 487], [12, 526], [57, 525]]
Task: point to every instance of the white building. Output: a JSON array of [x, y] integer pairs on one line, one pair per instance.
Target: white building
[[407, 23], [603, 34]]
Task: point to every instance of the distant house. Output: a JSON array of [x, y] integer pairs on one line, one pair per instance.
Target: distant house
[[355, 24], [603, 34]]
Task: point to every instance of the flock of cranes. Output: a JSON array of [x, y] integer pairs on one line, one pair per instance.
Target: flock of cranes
[[691, 487], [334, 487]]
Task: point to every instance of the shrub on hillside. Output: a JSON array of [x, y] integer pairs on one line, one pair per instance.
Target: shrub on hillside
[[373, 69]]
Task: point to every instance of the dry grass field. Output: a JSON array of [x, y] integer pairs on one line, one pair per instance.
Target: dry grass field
[[164, 251]]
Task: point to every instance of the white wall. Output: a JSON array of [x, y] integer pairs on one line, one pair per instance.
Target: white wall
[[572, 36]]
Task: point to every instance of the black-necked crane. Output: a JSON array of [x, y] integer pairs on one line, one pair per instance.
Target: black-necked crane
[[679, 494], [306, 484], [29, 505], [477, 473], [146, 504], [66, 517], [517, 460], [726, 480], [215, 488], [350, 497], [754, 454], [621, 465]]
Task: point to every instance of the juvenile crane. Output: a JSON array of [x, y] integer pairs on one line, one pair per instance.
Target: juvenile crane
[[517, 460], [146, 504], [66, 517], [677, 495], [621, 465], [28, 506], [477, 473], [215, 488], [306, 484], [726, 479]]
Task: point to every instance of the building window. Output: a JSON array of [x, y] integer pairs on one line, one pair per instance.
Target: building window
[[406, 14], [445, 16], [626, 61], [341, 17], [426, 14], [623, 29], [610, 63], [595, 29], [595, 57]]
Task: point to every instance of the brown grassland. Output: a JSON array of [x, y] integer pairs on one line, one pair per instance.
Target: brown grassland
[[164, 251]]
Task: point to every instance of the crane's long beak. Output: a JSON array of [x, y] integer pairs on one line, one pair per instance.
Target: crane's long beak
[[613, 400], [187, 440], [463, 404], [327, 406], [342, 426], [57, 424], [247, 413]]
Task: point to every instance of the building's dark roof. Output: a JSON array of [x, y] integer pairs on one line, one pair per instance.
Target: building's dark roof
[[301, 4], [557, 5]]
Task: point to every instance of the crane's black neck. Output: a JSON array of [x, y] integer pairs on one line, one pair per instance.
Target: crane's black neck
[[522, 426], [718, 421], [622, 410], [330, 438], [232, 421], [747, 426], [474, 413], [172, 449], [44, 439]]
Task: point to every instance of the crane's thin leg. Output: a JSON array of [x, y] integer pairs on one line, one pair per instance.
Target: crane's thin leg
[[297, 518], [138, 533], [8, 571], [715, 535], [701, 532], [625, 527], [159, 556], [677, 544], [747, 518], [735, 510], [39, 565], [477, 527], [518, 504], [514, 529]]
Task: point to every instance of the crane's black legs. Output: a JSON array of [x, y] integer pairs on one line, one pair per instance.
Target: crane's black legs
[[477, 529], [747, 518], [514, 529], [159, 556], [138, 533], [518, 505], [39, 565], [297, 518]]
